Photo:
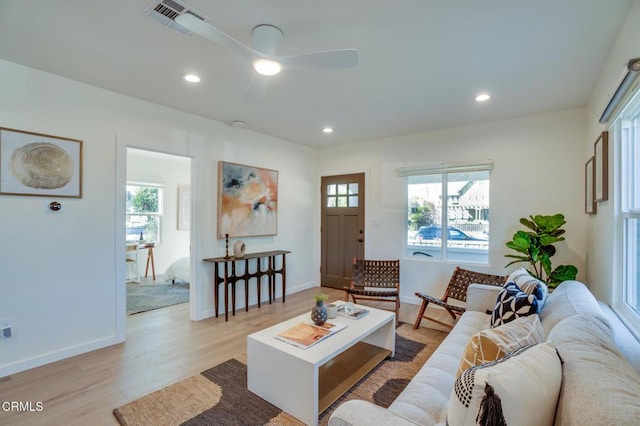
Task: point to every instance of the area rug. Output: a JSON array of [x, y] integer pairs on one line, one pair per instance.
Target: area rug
[[147, 297], [219, 396]]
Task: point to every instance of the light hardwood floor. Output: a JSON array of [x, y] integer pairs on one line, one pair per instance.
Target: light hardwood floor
[[162, 347]]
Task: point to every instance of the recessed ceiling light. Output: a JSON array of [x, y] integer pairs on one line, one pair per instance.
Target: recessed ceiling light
[[327, 130], [191, 78], [266, 67], [239, 124], [483, 97]]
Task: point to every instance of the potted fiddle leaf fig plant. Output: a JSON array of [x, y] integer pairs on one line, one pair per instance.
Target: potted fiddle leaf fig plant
[[536, 247]]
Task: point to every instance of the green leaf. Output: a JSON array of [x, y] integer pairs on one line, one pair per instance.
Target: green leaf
[[520, 243], [563, 273], [513, 256], [534, 253], [549, 223], [546, 264], [529, 224], [547, 240], [516, 261], [548, 250]]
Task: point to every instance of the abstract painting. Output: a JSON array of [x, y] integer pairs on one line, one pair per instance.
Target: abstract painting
[[247, 200], [40, 165]]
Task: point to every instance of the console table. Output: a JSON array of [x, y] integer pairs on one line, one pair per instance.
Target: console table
[[229, 277]]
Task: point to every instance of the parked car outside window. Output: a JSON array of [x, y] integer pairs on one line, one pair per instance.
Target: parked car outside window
[[433, 232]]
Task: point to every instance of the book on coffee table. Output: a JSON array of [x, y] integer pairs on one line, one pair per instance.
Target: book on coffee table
[[306, 335], [356, 313]]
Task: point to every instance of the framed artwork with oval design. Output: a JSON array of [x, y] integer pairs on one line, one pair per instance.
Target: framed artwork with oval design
[[40, 165]]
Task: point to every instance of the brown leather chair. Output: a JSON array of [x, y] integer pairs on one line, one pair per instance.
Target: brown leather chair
[[376, 280], [457, 290]]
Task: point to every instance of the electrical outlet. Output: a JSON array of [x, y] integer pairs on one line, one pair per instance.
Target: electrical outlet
[[6, 329]]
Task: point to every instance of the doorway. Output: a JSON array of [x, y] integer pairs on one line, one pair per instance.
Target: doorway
[[341, 227], [157, 230]]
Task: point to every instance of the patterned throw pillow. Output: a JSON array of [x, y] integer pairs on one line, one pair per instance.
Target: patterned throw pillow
[[530, 285], [522, 388], [494, 343], [511, 304]]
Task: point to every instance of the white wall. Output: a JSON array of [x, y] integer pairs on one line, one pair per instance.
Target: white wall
[[170, 172], [602, 271], [535, 172], [62, 277]]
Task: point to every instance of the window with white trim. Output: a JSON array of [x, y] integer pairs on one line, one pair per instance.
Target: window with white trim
[[627, 140], [144, 212], [457, 195]]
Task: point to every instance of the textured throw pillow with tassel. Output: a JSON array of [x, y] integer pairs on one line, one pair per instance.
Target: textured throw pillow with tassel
[[521, 388]]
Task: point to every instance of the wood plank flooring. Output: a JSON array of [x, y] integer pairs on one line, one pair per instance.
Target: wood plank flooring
[[162, 347]]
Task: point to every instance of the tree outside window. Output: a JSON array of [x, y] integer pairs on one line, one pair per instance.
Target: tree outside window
[[144, 213]]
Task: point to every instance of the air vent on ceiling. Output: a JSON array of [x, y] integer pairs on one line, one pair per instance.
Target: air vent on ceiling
[[166, 12]]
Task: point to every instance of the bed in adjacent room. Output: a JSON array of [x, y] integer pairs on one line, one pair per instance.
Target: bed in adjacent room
[[179, 271]]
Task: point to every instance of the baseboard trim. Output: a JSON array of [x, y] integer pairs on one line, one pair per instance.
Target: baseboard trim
[[58, 355]]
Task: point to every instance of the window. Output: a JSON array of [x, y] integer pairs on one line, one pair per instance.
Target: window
[[144, 212], [455, 196], [342, 195], [627, 138]]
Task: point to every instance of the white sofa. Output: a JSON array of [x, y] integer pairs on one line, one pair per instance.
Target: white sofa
[[599, 386]]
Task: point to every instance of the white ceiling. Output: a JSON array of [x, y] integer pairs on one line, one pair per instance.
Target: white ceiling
[[421, 61]]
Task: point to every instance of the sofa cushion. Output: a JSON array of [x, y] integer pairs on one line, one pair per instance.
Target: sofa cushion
[[526, 382], [425, 397], [511, 304], [569, 298], [494, 343], [599, 386], [530, 285]]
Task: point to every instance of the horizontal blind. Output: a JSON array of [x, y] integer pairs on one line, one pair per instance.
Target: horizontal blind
[[430, 169]]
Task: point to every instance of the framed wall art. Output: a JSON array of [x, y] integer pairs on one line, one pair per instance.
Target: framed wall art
[[590, 204], [40, 165], [247, 200], [601, 165]]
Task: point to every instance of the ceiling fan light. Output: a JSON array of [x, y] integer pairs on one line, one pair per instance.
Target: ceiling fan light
[[267, 67]]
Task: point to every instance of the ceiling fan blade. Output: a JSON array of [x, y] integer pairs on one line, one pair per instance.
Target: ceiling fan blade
[[210, 32], [257, 88], [342, 58]]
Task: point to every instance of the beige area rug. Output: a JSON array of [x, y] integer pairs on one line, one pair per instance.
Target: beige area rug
[[219, 396]]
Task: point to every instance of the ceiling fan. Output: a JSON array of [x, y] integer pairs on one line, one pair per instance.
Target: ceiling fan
[[263, 54]]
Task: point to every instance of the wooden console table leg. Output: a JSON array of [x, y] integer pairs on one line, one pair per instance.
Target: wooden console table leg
[[259, 277], [246, 285], [233, 287], [284, 276], [226, 292], [272, 287], [215, 287]]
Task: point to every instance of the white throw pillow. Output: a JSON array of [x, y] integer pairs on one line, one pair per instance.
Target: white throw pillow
[[530, 285], [526, 381]]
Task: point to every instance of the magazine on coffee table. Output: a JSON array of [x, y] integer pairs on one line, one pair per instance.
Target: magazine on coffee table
[[306, 335], [356, 313]]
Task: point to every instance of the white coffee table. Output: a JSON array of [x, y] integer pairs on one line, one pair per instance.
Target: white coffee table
[[304, 382]]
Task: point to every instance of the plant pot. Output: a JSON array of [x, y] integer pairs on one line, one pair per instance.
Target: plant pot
[[319, 313]]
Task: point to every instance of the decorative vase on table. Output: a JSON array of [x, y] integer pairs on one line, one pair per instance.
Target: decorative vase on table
[[238, 249], [319, 313]]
